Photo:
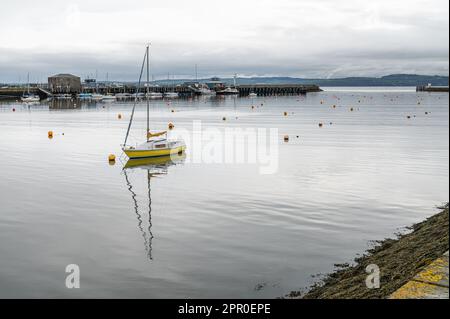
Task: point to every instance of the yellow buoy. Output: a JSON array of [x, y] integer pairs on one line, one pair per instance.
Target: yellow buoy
[[320, 124], [112, 158], [50, 134], [119, 116], [285, 113], [286, 138], [173, 111], [351, 109], [171, 126]]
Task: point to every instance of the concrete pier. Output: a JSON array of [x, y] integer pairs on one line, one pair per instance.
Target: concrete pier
[[430, 88], [182, 90], [277, 89]]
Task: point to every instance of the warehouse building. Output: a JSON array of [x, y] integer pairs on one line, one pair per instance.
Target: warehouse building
[[64, 83]]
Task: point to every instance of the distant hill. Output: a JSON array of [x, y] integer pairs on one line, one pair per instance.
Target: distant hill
[[389, 80]]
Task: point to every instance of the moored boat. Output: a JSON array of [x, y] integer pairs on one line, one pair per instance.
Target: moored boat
[[97, 96], [228, 91], [28, 97], [108, 97], [156, 144], [154, 95], [85, 95], [171, 95]]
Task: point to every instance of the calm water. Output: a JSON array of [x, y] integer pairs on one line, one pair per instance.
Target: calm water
[[213, 230]]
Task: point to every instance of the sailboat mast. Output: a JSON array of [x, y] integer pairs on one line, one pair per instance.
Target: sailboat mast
[[28, 83], [135, 100], [148, 87]]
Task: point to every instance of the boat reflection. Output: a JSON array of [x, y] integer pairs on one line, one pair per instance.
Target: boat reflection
[[154, 167]]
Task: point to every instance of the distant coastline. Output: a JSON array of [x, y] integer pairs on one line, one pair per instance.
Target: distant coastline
[[393, 80], [411, 80]]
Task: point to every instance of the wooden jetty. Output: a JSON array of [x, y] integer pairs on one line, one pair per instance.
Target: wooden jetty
[[244, 90], [277, 89], [183, 90], [430, 88]]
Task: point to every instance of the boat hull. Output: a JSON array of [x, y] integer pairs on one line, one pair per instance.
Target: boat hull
[[133, 153]]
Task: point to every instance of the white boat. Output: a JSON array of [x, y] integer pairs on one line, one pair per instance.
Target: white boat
[[156, 144], [154, 95], [253, 94], [229, 91], [28, 97], [139, 95], [108, 97], [171, 95], [84, 95], [123, 96], [205, 90], [97, 97]]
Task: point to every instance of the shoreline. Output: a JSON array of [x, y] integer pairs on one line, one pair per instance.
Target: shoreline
[[399, 260]]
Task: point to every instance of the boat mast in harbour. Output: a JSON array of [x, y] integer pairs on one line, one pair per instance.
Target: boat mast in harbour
[[156, 144]]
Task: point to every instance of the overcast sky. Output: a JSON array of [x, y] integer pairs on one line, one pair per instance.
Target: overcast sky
[[303, 38]]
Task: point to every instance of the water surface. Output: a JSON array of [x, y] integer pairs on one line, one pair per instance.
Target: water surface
[[212, 230]]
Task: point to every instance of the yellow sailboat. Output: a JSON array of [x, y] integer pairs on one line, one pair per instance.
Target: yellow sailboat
[[156, 144]]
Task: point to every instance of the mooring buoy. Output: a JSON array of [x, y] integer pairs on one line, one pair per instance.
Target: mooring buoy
[[111, 158]]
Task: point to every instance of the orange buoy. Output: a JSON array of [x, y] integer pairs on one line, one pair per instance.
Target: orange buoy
[[334, 106], [320, 124], [171, 126], [119, 116], [13, 109], [50, 134]]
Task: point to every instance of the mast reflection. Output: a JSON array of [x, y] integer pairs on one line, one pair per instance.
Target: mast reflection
[[154, 167]]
